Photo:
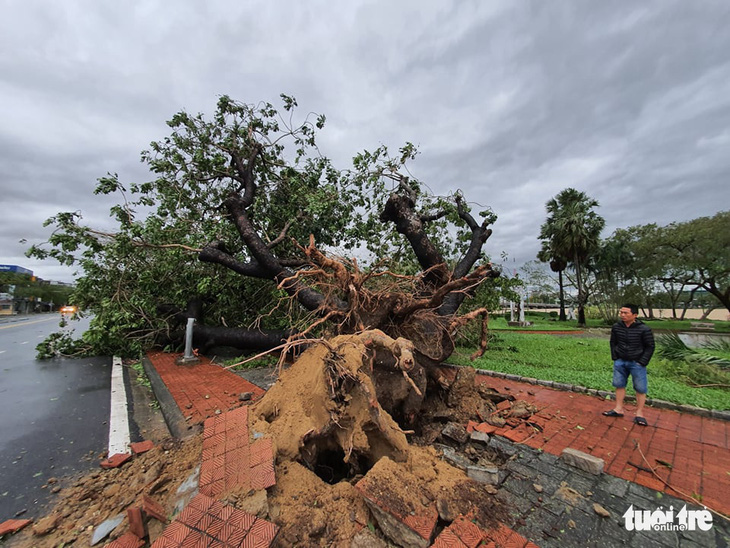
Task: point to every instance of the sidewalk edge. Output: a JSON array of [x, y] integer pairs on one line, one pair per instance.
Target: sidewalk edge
[[176, 423]]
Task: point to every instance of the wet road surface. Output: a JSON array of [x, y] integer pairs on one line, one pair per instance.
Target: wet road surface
[[53, 415]]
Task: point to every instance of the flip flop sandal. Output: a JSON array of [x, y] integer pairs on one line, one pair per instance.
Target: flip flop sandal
[[612, 413], [641, 421]]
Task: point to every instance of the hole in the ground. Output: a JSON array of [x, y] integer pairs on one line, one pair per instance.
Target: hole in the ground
[[327, 460]]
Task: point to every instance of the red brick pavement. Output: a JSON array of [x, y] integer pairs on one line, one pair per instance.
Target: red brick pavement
[[209, 522], [697, 449], [230, 459], [199, 390]]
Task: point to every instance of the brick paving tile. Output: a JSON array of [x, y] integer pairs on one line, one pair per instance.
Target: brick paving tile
[[127, 540], [199, 390], [208, 522], [713, 433], [230, 459], [448, 539], [467, 532], [504, 536], [11, 526]]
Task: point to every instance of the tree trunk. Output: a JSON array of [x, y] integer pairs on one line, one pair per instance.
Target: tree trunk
[[562, 317], [581, 294]]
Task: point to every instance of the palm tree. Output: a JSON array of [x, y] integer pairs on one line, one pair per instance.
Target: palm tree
[[572, 233]]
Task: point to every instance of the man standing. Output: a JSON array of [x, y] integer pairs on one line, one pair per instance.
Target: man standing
[[632, 345]]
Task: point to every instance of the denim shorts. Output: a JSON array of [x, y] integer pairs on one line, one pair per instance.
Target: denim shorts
[[621, 371]]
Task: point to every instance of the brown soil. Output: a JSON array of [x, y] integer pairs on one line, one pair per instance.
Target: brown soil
[[328, 432]]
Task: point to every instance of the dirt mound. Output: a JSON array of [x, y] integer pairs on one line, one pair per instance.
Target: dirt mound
[[324, 410]]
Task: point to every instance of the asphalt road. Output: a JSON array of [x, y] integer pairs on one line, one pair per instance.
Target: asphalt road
[[53, 415]]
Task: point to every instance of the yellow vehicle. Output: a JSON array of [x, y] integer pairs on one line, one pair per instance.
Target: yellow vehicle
[[69, 309]]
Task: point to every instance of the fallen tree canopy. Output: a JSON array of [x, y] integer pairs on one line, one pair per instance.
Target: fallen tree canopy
[[239, 232]]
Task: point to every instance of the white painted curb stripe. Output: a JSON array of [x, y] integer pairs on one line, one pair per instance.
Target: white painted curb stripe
[[118, 421]]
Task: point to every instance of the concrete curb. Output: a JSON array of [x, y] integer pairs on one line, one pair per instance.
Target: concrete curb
[[659, 404], [176, 423]]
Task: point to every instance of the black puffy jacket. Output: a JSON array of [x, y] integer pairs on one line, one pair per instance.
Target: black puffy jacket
[[635, 342]]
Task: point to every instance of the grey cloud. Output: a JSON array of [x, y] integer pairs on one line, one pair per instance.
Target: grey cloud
[[510, 102]]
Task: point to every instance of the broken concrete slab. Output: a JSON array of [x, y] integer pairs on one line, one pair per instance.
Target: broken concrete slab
[[453, 457], [455, 432], [105, 528], [584, 461], [484, 474], [479, 437]]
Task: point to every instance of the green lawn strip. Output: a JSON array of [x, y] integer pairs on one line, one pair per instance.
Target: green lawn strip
[[544, 322], [585, 362]]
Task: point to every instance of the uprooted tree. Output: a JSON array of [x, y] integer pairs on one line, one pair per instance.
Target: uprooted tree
[[249, 237]]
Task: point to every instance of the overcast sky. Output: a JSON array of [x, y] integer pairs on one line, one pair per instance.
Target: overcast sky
[[510, 102]]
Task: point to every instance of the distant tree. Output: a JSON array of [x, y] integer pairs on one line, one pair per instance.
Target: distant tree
[[616, 275], [696, 254], [572, 233], [541, 284], [557, 264]]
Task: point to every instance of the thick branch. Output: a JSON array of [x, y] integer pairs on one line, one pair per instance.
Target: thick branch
[[479, 235], [309, 298], [433, 216], [211, 254], [249, 339], [400, 210], [245, 172]]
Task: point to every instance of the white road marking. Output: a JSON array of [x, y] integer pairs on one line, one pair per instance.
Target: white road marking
[[2, 351], [118, 420], [24, 342]]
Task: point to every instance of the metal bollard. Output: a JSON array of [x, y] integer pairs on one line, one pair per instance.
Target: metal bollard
[[188, 358], [189, 339]]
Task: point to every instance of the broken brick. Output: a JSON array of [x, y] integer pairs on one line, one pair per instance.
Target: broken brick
[[485, 428], [153, 509], [10, 526], [501, 406], [136, 521], [141, 447], [116, 460]]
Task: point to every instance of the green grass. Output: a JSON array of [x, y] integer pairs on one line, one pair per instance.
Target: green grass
[[542, 321], [586, 361], [268, 360]]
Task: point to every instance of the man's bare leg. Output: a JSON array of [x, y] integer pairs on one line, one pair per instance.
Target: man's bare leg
[[620, 395]]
